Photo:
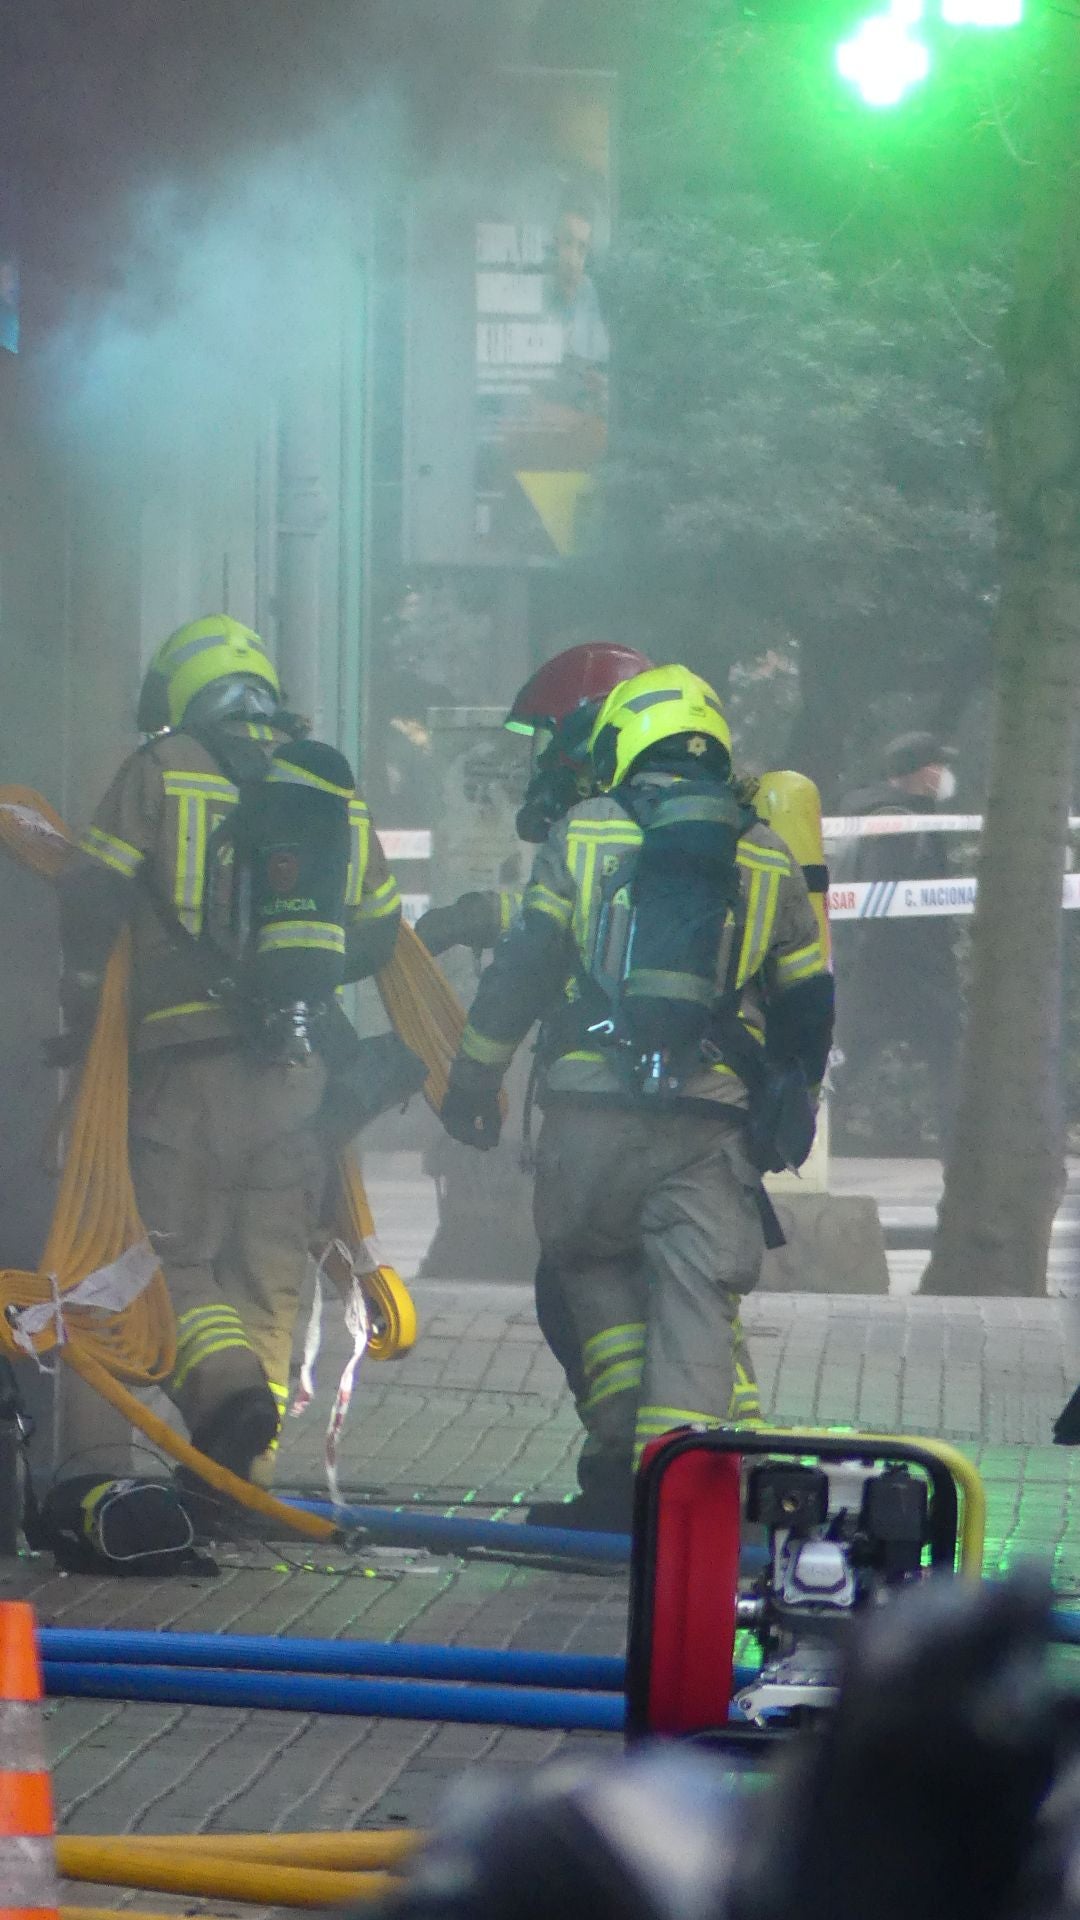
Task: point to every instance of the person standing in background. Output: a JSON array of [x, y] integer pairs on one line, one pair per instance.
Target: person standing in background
[[900, 977]]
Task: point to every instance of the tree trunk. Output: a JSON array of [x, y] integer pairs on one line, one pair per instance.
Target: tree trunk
[[1005, 1172]]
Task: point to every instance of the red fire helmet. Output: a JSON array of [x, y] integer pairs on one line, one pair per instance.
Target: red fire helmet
[[561, 685]]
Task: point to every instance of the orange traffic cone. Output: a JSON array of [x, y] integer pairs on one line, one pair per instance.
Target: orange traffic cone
[[28, 1886]]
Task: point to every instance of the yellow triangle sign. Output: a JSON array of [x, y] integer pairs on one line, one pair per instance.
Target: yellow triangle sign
[[555, 497]]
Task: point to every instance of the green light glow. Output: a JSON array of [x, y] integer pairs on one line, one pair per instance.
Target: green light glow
[[882, 60], [982, 13]]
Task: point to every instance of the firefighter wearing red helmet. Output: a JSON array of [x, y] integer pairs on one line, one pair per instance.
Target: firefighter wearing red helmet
[[557, 708]]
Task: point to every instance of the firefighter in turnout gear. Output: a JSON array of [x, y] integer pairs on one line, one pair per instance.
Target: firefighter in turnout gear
[[232, 1044], [557, 709], [668, 940]]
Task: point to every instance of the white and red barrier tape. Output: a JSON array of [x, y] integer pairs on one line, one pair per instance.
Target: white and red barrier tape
[[918, 899], [414, 843], [852, 900], [872, 826]]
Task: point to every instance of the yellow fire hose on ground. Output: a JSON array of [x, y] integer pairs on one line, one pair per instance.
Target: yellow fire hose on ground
[[176, 1871], [96, 1220], [360, 1851], [287, 1869], [113, 1913]]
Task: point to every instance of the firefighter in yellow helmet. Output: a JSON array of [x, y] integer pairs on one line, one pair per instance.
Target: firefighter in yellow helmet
[[668, 940], [227, 1153]]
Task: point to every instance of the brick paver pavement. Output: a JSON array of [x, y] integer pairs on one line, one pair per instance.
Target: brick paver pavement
[[475, 1416]]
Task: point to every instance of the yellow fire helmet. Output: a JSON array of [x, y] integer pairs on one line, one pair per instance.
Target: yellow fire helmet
[[655, 706], [204, 651]]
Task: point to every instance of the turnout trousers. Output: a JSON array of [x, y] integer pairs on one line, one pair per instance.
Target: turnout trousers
[[228, 1175], [652, 1221]]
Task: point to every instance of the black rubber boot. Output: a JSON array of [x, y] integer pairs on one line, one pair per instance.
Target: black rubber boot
[[240, 1429], [604, 1505], [585, 1513], [1067, 1424]]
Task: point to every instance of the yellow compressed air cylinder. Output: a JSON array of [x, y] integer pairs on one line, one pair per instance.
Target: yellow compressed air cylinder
[[790, 804]]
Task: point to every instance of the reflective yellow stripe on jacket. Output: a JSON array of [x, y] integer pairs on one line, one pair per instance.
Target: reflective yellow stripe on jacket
[[587, 843], [382, 903], [359, 842], [203, 1332], [201, 800], [801, 965], [305, 936], [112, 852]]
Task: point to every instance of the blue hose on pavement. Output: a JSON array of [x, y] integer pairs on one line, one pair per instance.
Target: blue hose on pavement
[[460, 1532], [597, 1673], [545, 1708]]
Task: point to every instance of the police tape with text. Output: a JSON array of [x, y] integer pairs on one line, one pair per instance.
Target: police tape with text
[[917, 899], [854, 900]]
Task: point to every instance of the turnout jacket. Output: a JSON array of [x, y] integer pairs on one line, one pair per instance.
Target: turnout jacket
[[143, 863], [541, 968]]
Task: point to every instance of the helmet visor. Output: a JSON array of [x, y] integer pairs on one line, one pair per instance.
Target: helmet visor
[[238, 696]]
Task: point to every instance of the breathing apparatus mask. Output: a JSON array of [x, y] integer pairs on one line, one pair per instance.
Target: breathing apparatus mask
[[560, 775], [235, 698], [233, 718]]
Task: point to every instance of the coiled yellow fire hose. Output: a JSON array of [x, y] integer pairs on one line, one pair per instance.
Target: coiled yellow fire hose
[[96, 1220]]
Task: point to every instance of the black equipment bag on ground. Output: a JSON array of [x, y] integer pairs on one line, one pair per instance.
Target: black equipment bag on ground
[[121, 1526]]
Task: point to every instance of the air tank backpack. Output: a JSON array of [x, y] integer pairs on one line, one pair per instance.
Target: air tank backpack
[[274, 907], [657, 954], [660, 929]]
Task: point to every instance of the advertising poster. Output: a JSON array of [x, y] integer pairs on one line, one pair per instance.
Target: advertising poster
[[509, 355], [542, 346]]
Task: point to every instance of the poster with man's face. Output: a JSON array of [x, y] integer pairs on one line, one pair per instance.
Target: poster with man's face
[[9, 269], [542, 345], [509, 347]]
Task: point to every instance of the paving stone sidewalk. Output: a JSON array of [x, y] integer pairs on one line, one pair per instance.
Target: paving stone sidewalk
[[475, 1417]]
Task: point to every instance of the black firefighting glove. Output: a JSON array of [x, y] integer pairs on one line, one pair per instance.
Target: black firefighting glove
[[922, 1795], [79, 995], [471, 1111], [470, 921]]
